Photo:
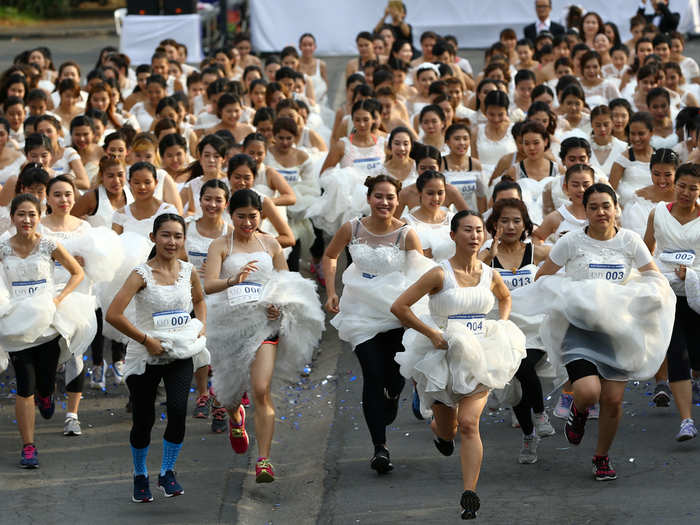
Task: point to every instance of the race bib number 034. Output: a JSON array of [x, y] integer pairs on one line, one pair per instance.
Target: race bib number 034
[[170, 319], [607, 272], [28, 288], [245, 292], [473, 322], [684, 257]]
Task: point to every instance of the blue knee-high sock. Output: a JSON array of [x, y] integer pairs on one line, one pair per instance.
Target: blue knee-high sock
[[139, 455], [170, 452]]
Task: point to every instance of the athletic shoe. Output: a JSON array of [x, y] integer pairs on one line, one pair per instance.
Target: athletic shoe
[[29, 457], [71, 427], [575, 425], [528, 452], [218, 420], [201, 407], [415, 405], [688, 430], [514, 423], [603, 469], [237, 434], [594, 412], [662, 395], [169, 485], [97, 377], [245, 400], [142, 492], [118, 369], [445, 447], [563, 405], [470, 504], [264, 472], [543, 427], [381, 461], [696, 391], [46, 405]]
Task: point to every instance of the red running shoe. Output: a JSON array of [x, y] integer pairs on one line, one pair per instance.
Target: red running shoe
[[263, 471], [245, 401], [237, 434]]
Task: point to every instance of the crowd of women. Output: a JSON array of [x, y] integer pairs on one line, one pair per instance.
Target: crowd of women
[[530, 227]]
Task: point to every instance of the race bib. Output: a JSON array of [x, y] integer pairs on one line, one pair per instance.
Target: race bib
[[516, 280], [369, 164], [607, 272], [28, 288], [197, 258], [245, 292], [473, 322], [170, 319], [684, 257], [368, 275], [465, 185], [290, 175]]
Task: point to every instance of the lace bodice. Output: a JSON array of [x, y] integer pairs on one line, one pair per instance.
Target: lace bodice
[[37, 266], [62, 276], [454, 299], [156, 297], [377, 254], [234, 261]]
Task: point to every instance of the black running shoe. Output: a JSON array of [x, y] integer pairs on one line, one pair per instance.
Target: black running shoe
[[470, 504], [381, 462], [575, 425], [446, 448], [47, 405], [662, 395], [142, 492]]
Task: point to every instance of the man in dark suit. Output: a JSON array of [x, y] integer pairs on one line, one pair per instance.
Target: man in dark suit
[[662, 17], [543, 9]]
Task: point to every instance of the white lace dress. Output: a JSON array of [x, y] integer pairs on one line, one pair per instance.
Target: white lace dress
[[163, 313], [602, 309], [482, 354], [491, 151], [237, 322], [636, 175]]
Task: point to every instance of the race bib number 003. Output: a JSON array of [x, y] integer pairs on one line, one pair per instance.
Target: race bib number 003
[[473, 322], [245, 292], [516, 280], [28, 288], [607, 272], [684, 257], [170, 319]]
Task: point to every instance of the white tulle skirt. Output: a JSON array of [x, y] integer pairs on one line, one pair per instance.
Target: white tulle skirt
[[235, 334], [344, 197], [623, 329], [469, 365], [101, 250], [636, 213]]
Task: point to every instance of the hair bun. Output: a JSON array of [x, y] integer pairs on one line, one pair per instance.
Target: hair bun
[[369, 181]]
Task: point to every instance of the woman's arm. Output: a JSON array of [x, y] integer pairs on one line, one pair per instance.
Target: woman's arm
[[85, 205], [500, 290], [547, 268], [649, 234], [616, 175], [549, 225], [276, 181], [329, 263], [8, 191], [284, 233], [170, 193], [316, 141], [82, 181], [334, 156], [66, 260], [454, 196]]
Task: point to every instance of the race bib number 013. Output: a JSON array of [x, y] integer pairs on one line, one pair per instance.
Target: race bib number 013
[[684, 257], [28, 288], [245, 292], [607, 272], [473, 322], [170, 319], [516, 280]]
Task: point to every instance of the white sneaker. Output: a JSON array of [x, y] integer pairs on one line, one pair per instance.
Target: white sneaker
[[594, 412], [71, 427], [688, 430], [118, 368], [561, 410], [528, 452], [543, 427], [97, 376]]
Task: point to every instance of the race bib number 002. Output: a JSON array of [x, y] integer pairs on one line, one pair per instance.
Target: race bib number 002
[[245, 292], [607, 272], [473, 322], [516, 280], [684, 257], [28, 288], [170, 319]]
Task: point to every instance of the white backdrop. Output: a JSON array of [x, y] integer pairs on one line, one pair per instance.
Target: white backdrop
[[141, 35], [476, 23]]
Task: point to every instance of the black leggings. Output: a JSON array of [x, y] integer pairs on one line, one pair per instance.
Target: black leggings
[[379, 371], [118, 349], [294, 256], [532, 398], [318, 246], [177, 377], [77, 384], [683, 352], [35, 368], [316, 251]]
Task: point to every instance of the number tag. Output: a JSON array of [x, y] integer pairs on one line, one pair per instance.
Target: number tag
[[170, 319], [245, 292], [516, 280], [197, 258], [290, 175], [368, 275], [369, 164], [28, 288], [607, 272], [684, 257], [473, 322], [465, 186]]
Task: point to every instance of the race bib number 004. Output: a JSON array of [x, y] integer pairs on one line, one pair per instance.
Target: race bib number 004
[[170, 319], [245, 292], [473, 322], [516, 280], [28, 288], [684, 257], [607, 272]]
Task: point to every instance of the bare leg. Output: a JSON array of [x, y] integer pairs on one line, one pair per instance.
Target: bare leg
[[444, 425], [611, 395], [471, 450], [260, 377], [201, 377], [73, 402], [662, 374], [25, 415], [586, 392], [683, 397]]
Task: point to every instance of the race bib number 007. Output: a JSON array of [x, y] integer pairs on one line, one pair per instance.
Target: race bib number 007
[[684, 257], [245, 292], [473, 322], [607, 272], [170, 319], [28, 288]]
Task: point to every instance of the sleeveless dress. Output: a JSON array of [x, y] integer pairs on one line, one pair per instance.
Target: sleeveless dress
[[636, 175], [614, 150], [195, 186], [481, 355], [490, 151], [532, 189], [569, 223], [233, 345], [163, 313], [104, 211], [12, 169], [600, 94], [344, 193], [602, 309], [381, 270], [435, 237], [62, 165], [635, 215], [471, 184]]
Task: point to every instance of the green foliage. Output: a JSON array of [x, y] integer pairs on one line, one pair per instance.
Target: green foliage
[[38, 8]]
